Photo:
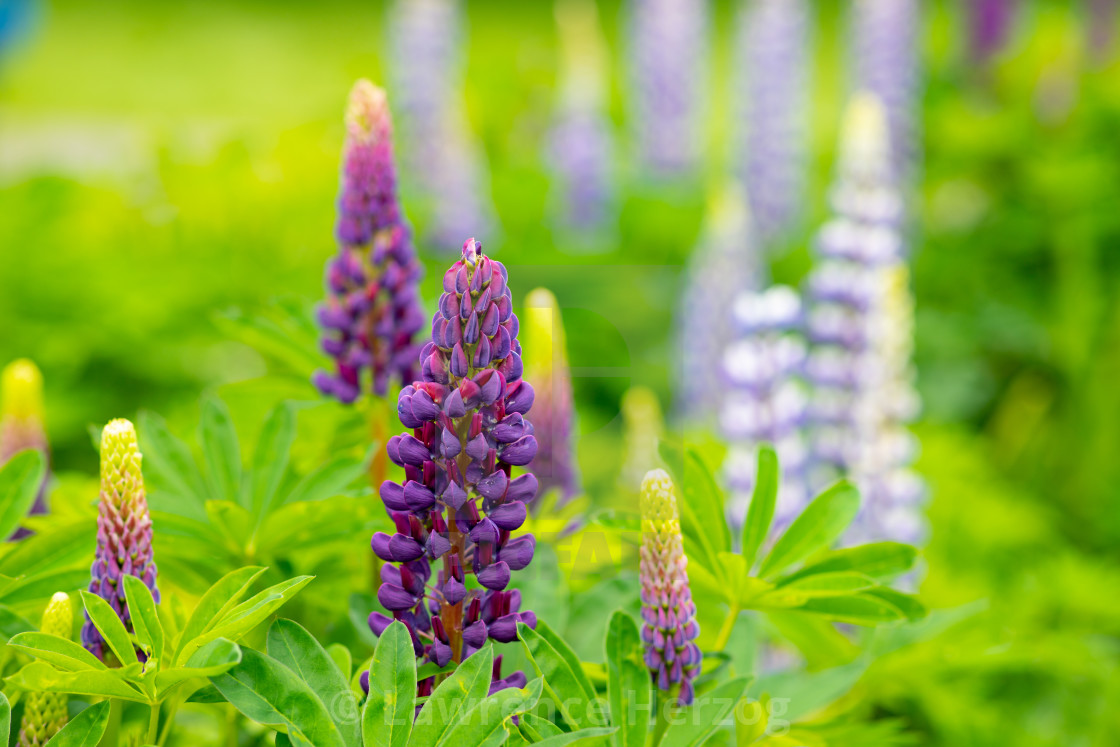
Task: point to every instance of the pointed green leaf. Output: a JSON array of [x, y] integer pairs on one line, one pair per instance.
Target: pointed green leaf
[[561, 685], [481, 725], [295, 648], [628, 682], [20, 480], [763, 498], [537, 728], [85, 729], [59, 651], [878, 560], [221, 450], [145, 620], [110, 627], [38, 675], [906, 603], [5, 716], [270, 460], [568, 655], [12, 624], [218, 600], [342, 659], [815, 529], [169, 461], [705, 715], [583, 736], [453, 697], [859, 609], [331, 479], [390, 708], [214, 658]]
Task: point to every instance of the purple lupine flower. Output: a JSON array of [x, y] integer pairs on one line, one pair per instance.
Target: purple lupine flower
[[580, 141], [886, 40], [21, 422], [459, 503], [1101, 28], [124, 529], [773, 67], [725, 264], [546, 362], [989, 27], [372, 311], [767, 401], [669, 629], [859, 361], [668, 49]]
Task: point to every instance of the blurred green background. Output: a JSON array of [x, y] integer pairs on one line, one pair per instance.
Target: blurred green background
[[164, 163]]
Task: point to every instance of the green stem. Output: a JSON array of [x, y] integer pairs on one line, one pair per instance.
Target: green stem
[[167, 722], [728, 626], [153, 724]]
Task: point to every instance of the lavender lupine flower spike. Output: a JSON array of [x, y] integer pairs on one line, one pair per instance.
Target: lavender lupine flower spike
[[989, 27], [581, 137], [459, 503], [21, 420], [767, 401], [887, 60], [668, 40], [725, 264], [373, 310], [44, 714], [124, 528], [669, 615], [859, 328], [546, 363], [774, 64]]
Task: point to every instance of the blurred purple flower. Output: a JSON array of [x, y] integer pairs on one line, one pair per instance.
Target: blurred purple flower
[[457, 503], [773, 64], [990, 24], [372, 311]]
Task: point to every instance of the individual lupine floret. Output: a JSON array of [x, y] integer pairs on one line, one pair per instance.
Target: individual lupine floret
[[670, 629], [21, 420], [642, 427], [668, 49], [767, 400], [44, 714], [858, 330], [124, 529], [887, 60], [581, 146], [372, 312], [773, 68], [459, 503], [726, 263], [546, 363]]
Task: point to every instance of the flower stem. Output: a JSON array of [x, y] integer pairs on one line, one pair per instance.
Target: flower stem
[[728, 626], [153, 724]]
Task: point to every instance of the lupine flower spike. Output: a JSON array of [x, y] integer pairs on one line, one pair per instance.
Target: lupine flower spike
[[546, 363], [725, 264], [459, 503], [642, 426], [669, 615], [774, 68], [372, 312], [21, 420], [581, 137], [859, 329], [124, 529], [767, 401], [44, 714], [887, 60], [668, 49], [990, 23]]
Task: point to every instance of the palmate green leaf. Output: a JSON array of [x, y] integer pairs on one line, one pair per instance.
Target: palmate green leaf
[[232, 522], [145, 620], [561, 685], [596, 736], [214, 658], [453, 697], [20, 479], [62, 652], [296, 526], [815, 529], [763, 499], [739, 586], [269, 693], [216, 603], [878, 560], [38, 675], [85, 729], [705, 715], [629, 690], [327, 481], [107, 622], [485, 723], [169, 461], [390, 708], [295, 648], [221, 450], [270, 459]]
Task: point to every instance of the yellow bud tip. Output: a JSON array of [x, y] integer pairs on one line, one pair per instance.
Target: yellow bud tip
[[543, 336], [58, 616], [658, 503], [22, 386], [865, 133], [367, 113], [640, 405]]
